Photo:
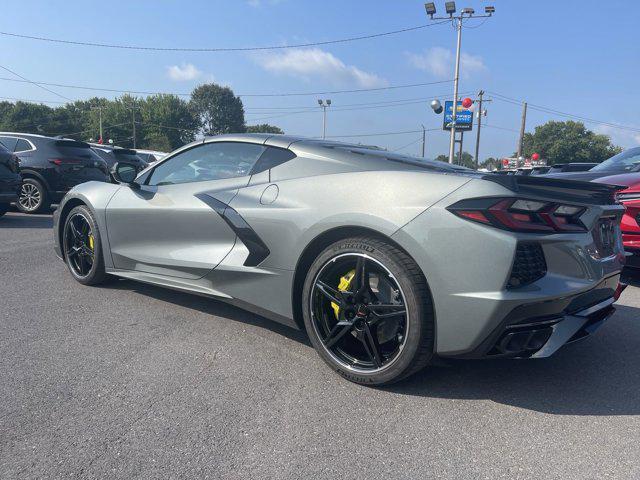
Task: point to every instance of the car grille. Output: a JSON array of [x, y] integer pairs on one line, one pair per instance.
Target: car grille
[[529, 265]]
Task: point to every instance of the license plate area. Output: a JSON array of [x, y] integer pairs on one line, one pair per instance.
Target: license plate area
[[605, 236]]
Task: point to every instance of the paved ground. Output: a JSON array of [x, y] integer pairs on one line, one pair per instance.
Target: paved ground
[[134, 381]]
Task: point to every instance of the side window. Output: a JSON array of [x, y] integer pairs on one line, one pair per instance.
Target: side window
[[211, 161], [272, 157], [9, 142], [22, 146]]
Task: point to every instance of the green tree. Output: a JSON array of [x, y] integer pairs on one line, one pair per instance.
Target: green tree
[[264, 128], [491, 163], [560, 142], [217, 109], [166, 122], [467, 160]]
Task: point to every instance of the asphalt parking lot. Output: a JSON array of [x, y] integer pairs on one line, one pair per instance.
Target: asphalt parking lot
[[130, 381]]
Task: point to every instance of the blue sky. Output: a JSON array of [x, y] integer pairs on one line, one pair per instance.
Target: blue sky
[[580, 57]]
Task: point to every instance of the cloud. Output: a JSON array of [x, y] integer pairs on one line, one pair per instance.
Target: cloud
[[440, 62], [183, 73], [313, 63], [624, 138]]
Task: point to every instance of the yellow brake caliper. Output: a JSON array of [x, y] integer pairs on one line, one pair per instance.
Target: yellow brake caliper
[[91, 241], [343, 286]]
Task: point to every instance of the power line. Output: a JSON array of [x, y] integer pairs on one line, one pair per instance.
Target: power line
[[407, 145], [544, 109], [381, 134], [284, 94], [219, 49], [37, 84]]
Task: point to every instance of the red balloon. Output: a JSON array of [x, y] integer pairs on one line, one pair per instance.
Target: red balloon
[[535, 156], [467, 102]]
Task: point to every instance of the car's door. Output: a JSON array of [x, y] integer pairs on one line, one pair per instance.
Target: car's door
[[170, 225]]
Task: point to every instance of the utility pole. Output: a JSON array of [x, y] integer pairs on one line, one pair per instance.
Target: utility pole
[[480, 94], [450, 8], [133, 122], [522, 125], [100, 117], [424, 137], [324, 106]]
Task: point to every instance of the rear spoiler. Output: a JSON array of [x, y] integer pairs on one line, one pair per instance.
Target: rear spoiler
[[559, 189]]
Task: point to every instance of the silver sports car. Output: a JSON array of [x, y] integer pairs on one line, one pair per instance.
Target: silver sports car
[[386, 260]]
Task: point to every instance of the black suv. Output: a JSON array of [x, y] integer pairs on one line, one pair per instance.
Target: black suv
[[113, 155], [10, 179], [50, 167]]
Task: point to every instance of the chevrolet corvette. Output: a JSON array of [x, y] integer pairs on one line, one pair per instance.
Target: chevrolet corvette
[[386, 260]]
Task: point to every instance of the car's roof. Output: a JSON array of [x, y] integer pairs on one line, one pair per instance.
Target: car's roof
[[20, 134]]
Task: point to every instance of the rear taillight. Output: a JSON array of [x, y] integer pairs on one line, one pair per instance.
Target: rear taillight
[[65, 161], [521, 215]]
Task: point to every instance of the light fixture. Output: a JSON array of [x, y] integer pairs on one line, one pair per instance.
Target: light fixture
[[489, 10], [430, 8], [468, 11], [319, 102], [328, 101], [450, 7]]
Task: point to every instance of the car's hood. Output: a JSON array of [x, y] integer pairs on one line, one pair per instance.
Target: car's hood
[[630, 180]]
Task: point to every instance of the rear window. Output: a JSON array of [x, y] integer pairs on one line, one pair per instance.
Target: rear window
[[272, 157], [409, 160], [22, 146], [9, 142]]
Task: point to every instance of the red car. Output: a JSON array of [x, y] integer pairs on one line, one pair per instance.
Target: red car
[[630, 198]]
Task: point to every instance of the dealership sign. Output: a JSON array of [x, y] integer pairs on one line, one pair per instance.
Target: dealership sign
[[464, 117]]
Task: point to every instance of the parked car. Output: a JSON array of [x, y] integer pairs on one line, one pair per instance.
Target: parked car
[[624, 162], [113, 155], [541, 170], [386, 260], [150, 156], [570, 167], [524, 171], [50, 167], [630, 198], [10, 179]]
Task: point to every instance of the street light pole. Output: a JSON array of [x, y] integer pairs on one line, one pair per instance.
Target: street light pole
[[450, 8], [424, 137], [324, 105], [522, 126], [454, 107]]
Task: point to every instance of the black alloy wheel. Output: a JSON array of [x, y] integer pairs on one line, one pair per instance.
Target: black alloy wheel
[[79, 244], [368, 311]]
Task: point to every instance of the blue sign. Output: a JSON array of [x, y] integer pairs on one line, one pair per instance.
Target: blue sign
[[464, 117]]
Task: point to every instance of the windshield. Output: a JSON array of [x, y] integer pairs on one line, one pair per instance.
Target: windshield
[[627, 161]]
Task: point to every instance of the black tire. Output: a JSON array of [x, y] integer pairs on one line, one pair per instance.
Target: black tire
[[417, 349], [96, 273], [4, 208], [33, 197]]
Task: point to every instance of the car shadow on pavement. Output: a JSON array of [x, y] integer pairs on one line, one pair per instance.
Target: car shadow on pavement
[[209, 306], [597, 376], [14, 220]]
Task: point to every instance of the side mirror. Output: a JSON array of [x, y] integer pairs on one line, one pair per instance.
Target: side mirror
[[125, 173]]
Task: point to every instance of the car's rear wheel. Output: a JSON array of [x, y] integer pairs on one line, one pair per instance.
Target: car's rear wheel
[[82, 247], [368, 311], [33, 197]]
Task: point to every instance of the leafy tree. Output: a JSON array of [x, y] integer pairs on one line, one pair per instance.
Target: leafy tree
[[491, 163], [264, 128], [467, 160], [166, 122], [569, 141], [218, 109]]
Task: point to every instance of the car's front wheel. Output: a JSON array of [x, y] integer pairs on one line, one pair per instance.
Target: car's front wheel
[[33, 197], [368, 311], [82, 247]]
